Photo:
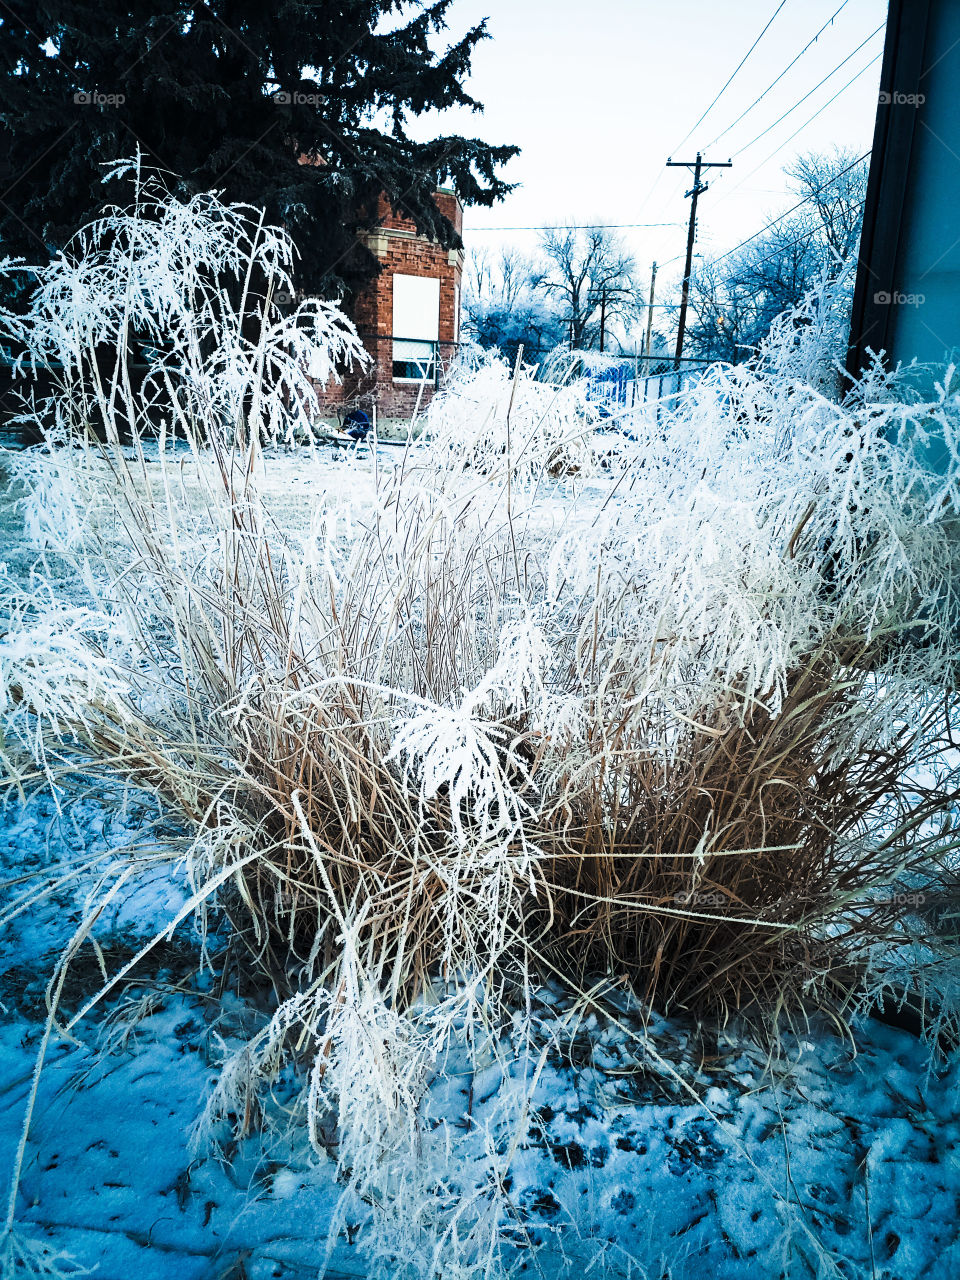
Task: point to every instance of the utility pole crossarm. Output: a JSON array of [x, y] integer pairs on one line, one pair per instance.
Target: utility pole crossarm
[[704, 164], [698, 187]]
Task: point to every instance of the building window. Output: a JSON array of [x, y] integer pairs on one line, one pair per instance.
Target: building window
[[416, 328]]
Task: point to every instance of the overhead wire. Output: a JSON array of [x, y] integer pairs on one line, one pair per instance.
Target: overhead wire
[[793, 208], [577, 226], [773, 83], [731, 79], [812, 231], [787, 113], [659, 177], [780, 146], [780, 217], [811, 92], [818, 112], [804, 235], [746, 146]]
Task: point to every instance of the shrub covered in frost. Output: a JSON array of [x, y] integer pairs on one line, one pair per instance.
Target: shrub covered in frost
[[471, 733], [191, 288], [500, 421]]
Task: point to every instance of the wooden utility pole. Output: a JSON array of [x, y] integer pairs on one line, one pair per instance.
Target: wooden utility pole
[[653, 286], [694, 192], [603, 316]]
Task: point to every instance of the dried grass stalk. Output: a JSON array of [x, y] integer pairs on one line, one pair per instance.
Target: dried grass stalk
[[661, 719]]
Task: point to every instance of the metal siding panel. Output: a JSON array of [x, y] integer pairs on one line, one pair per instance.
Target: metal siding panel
[[893, 141]]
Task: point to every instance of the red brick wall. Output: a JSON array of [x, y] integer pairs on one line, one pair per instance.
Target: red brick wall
[[400, 251]]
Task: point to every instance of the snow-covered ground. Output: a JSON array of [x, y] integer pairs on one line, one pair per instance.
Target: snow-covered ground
[[652, 1148], [837, 1149]]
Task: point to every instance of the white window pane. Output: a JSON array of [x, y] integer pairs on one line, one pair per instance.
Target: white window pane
[[404, 350], [416, 307]]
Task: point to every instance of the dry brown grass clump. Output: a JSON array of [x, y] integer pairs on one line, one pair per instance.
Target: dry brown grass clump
[[673, 719], [709, 860]]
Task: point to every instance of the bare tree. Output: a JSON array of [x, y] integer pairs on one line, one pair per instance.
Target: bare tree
[[587, 271], [499, 279], [835, 187], [502, 307]]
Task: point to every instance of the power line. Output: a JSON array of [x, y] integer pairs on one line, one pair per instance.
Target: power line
[[780, 146], [820, 110], [791, 64], [796, 132], [793, 208], [812, 91], [854, 208], [577, 226], [774, 83], [714, 103], [780, 217], [683, 140], [613, 226]]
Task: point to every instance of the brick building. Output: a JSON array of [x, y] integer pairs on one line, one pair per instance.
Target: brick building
[[408, 318]]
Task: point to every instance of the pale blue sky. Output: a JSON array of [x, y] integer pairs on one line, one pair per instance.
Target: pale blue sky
[[598, 93]]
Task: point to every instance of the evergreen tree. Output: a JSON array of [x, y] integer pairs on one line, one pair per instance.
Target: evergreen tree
[[300, 107]]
